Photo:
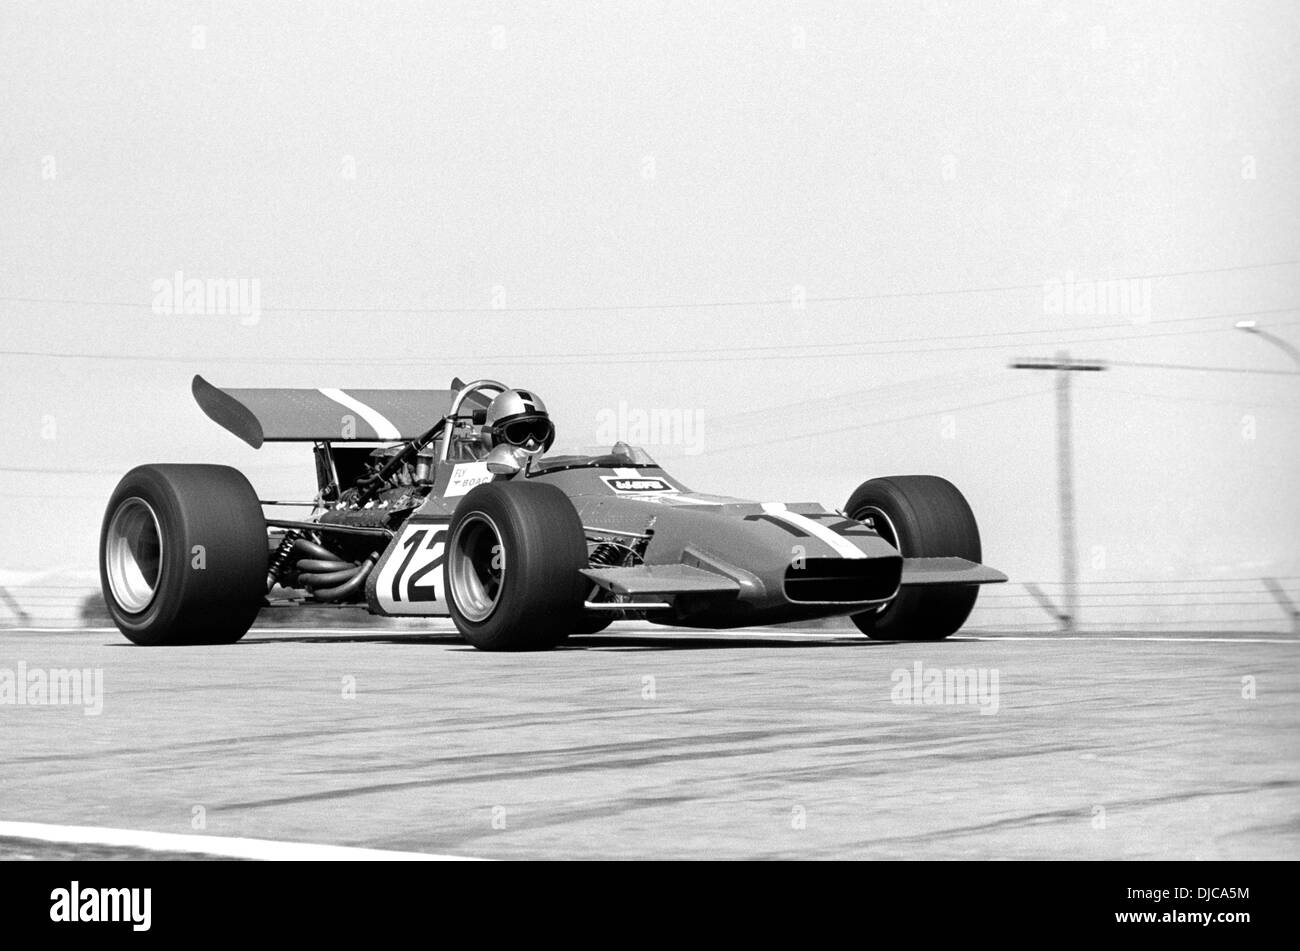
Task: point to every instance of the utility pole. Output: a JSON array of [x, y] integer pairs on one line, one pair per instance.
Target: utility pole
[[1064, 367]]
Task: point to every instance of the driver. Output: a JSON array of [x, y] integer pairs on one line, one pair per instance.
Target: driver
[[518, 418]]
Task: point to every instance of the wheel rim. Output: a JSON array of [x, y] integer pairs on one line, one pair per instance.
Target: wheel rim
[[880, 523], [476, 567], [133, 554]]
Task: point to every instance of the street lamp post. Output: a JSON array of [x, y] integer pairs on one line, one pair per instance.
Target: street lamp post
[[1251, 327]]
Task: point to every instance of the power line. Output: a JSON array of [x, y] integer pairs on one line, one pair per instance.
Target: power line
[[38, 471], [879, 422], [1235, 404], [927, 387], [256, 466], [688, 305], [56, 496], [1203, 369], [932, 385], [969, 336], [696, 355], [708, 452], [727, 422]]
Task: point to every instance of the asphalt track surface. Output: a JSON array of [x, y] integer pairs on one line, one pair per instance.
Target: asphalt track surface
[[645, 743]]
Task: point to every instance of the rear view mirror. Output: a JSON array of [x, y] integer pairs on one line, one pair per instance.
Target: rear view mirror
[[505, 460]]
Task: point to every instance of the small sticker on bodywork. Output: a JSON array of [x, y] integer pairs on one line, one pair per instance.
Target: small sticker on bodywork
[[465, 477], [640, 485]]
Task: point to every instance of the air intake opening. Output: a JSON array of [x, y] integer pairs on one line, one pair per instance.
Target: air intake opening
[[843, 580]]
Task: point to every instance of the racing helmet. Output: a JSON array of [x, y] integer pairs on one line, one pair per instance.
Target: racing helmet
[[519, 418]]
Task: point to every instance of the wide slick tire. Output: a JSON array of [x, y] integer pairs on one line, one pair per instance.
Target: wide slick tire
[[514, 553], [923, 517], [183, 555]]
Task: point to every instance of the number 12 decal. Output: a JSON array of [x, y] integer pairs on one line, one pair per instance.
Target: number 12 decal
[[416, 592], [411, 580]]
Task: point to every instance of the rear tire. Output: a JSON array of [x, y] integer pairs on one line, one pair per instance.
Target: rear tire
[[514, 553], [923, 517], [183, 555]]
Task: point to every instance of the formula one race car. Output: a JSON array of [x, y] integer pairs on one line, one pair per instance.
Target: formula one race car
[[472, 518]]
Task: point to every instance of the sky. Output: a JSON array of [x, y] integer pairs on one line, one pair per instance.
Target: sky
[[812, 234]]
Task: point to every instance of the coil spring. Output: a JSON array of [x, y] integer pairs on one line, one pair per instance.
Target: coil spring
[[610, 555], [281, 558]]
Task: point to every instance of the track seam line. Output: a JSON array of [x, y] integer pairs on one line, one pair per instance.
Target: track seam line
[[261, 850]]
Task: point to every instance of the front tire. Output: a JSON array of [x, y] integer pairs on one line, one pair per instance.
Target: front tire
[[923, 517], [593, 624], [183, 555], [514, 553]]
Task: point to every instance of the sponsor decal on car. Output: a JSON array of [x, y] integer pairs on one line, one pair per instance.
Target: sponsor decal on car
[[465, 477], [638, 485]]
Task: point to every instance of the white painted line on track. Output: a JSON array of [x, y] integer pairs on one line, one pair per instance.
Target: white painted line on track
[[257, 630], [451, 632], [262, 850], [377, 631], [1049, 638], [738, 633]]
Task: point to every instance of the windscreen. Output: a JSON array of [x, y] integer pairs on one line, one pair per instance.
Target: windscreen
[[619, 456]]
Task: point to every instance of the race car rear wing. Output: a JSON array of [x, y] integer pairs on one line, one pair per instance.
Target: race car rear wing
[[284, 415]]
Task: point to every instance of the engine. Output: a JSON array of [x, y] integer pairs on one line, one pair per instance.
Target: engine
[[333, 567]]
